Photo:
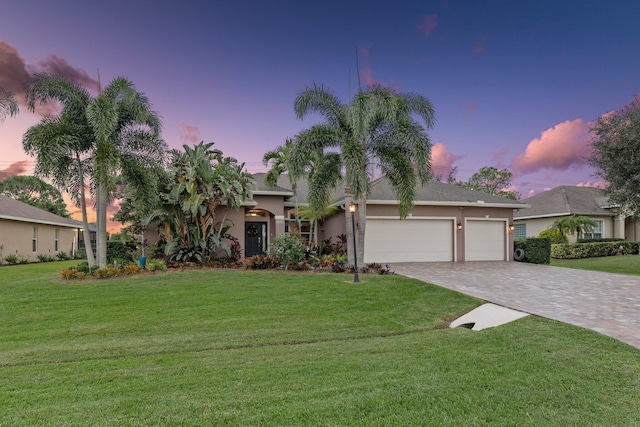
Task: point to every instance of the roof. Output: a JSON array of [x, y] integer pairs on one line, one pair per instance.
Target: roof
[[567, 200], [15, 210], [433, 193]]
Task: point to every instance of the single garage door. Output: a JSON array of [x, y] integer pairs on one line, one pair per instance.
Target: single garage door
[[408, 240], [485, 240]]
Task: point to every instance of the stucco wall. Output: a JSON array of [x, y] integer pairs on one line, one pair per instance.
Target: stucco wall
[[536, 225], [17, 238]]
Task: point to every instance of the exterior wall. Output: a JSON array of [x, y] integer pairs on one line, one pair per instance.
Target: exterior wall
[[611, 228], [17, 238], [333, 226]]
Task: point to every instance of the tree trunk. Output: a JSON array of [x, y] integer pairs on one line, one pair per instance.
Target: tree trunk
[[361, 225], [88, 248], [102, 197], [348, 200]]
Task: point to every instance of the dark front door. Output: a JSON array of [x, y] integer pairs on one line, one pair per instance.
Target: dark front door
[[255, 238]]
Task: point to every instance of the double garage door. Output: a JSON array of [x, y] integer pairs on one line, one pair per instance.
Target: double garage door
[[432, 240]]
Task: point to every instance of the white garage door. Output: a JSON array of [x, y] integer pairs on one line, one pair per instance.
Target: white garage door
[[408, 240], [485, 240]]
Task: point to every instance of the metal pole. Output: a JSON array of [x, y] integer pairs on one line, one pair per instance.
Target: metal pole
[[355, 251]]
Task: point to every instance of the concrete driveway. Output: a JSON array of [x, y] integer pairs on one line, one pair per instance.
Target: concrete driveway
[[607, 303]]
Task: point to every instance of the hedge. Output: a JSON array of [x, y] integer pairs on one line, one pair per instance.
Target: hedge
[[534, 250], [593, 249]]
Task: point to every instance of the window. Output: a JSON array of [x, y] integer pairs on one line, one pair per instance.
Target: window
[[596, 233], [519, 231], [291, 226], [34, 240], [56, 243]]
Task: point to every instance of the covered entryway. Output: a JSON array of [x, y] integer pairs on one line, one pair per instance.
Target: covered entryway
[[485, 240], [255, 238], [409, 240]]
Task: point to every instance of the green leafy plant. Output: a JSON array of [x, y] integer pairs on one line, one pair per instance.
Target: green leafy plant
[[287, 250], [62, 256], [12, 258], [131, 269], [156, 265], [260, 262], [534, 250], [45, 258]]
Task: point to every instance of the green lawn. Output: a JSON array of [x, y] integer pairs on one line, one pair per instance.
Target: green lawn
[[627, 264], [222, 347]]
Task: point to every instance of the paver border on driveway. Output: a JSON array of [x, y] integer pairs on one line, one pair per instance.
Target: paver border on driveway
[[604, 302]]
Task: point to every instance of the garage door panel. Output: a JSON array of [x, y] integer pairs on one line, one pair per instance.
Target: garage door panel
[[409, 240], [485, 240]]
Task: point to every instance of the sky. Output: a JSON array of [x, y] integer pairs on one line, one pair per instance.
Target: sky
[[515, 84]]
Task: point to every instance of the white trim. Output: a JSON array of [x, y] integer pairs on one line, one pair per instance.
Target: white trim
[[453, 203], [272, 193], [542, 216], [36, 221]]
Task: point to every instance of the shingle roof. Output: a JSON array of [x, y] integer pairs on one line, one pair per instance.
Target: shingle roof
[[17, 211], [435, 192], [567, 200]]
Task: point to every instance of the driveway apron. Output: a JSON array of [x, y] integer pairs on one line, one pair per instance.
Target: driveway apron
[[604, 302]]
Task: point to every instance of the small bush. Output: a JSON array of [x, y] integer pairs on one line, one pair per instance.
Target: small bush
[[260, 262], [537, 250], [13, 258], [62, 256], [69, 273], [593, 250], [156, 265], [287, 250], [45, 258], [104, 273], [130, 269], [375, 268], [23, 260]]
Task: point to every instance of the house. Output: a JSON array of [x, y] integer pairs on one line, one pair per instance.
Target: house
[[566, 201], [28, 231], [447, 223]]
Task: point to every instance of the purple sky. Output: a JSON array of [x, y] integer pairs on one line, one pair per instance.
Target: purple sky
[[514, 83]]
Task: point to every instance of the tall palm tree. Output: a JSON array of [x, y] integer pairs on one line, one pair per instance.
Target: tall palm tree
[[376, 131], [62, 145], [127, 142], [8, 104]]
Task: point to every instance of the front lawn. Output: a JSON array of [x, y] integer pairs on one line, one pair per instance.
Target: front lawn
[[623, 264], [225, 347]]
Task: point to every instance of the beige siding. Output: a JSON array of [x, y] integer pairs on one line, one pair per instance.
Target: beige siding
[[536, 225], [16, 237]]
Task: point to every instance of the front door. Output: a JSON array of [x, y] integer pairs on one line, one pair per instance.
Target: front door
[[255, 238]]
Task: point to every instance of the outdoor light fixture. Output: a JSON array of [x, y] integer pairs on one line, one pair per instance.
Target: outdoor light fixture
[[459, 226], [511, 227], [352, 209]]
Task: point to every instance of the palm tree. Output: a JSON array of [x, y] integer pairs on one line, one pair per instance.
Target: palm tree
[[376, 131], [280, 159], [95, 138], [62, 145], [573, 225], [8, 104]]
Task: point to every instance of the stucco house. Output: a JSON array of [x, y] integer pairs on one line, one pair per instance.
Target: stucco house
[[28, 231], [566, 201], [447, 223]]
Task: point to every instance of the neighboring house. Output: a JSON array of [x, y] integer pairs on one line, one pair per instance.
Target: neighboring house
[[566, 201], [447, 223], [28, 231]]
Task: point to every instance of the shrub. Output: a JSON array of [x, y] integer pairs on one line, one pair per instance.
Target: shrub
[[287, 250], [23, 260], [45, 258], [13, 258], [260, 262], [84, 267], [69, 273], [594, 249], [535, 250], [62, 256], [555, 235], [103, 273], [131, 269], [120, 251], [156, 265], [375, 268]]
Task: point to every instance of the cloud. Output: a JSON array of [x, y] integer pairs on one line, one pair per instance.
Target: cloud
[[189, 134], [14, 169], [14, 73], [596, 184], [564, 145], [479, 46], [442, 160], [427, 24], [469, 106], [366, 73], [498, 158]]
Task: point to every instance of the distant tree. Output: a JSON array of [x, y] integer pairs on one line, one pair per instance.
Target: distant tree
[[574, 224], [8, 104], [492, 181], [35, 192], [615, 154]]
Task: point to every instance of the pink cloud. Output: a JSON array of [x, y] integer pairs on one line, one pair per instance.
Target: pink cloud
[[14, 169], [427, 24], [366, 73], [596, 184], [479, 46], [498, 158], [189, 134], [564, 145], [442, 160], [15, 72], [276, 108], [469, 106]]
